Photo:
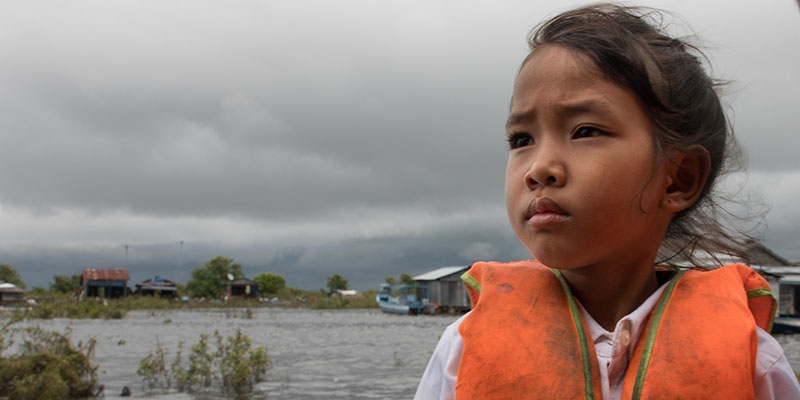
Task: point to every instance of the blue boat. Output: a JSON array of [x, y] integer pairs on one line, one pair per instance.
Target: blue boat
[[783, 324], [404, 299]]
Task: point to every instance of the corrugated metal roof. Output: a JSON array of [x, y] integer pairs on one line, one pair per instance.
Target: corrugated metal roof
[[783, 270], [9, 288], [440, 273], [793, 279], [91, 274], [157, 282], [157, 288]]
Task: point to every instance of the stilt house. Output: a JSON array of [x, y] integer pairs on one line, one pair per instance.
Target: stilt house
[[11, 294], [105, 283], [157, 286], [445, 288], [243, 287]]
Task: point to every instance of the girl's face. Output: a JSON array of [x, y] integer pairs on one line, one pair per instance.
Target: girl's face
[[584, 186]]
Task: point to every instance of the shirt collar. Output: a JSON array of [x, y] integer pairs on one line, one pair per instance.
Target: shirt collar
[[636, 319]]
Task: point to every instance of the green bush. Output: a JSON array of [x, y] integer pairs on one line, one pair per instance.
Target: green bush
[[153, 368], [47, 366], [234, 366], [321, 301]]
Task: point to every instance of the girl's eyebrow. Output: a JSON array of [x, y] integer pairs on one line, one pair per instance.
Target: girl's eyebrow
[[591, 106]]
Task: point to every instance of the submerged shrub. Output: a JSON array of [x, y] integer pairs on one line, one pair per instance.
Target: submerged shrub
[[153, 368], [179, 373], [201, 361], [233, 366], [46, 366], [240, 366]]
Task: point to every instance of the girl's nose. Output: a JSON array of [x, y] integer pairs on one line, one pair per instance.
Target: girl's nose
[[547, 169]]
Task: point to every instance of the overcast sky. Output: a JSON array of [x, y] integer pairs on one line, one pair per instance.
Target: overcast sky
[[308, 138]]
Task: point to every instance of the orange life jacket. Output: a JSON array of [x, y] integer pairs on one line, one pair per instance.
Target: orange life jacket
[[525, 337]]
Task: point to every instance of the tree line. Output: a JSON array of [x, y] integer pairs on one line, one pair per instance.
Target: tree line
[[208, 281]]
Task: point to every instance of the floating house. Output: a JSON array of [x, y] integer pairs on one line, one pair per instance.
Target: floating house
[[105, 283], [242, 287], [11, 294], [445, 288], [782, 276], [784, 279], [754, 254], [157, 286]]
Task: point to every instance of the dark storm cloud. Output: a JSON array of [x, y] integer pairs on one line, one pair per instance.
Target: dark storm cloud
[[309, 131], [283, 122]]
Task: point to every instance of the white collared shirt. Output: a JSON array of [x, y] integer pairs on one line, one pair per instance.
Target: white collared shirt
[[774, 378]]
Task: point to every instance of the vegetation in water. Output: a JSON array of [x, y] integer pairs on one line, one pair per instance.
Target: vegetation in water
[[323, 301], [206, 289], [45, 365], [66, 307], [231, 364]]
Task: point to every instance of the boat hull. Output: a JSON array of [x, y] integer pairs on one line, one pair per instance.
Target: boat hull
[[394, 308], [786, 324]]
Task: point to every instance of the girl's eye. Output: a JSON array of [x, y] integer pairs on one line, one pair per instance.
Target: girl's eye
[[518, 140], [586, 132]]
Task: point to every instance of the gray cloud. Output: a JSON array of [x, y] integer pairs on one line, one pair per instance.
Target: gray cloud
[[306, 132]]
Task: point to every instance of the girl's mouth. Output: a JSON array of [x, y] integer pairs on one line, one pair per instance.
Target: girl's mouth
[[544, 213]]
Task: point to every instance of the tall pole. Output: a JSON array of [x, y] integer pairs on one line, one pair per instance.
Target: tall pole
[[180, 261]]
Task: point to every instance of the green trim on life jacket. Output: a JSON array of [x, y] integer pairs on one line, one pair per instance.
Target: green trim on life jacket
[[576, 318], [651, 335], [753, 293], [473, 283], [759, 292]]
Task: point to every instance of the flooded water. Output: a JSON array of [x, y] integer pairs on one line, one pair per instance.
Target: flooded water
[[341, 354]]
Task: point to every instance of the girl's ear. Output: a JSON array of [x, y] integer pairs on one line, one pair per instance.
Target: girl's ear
[[687, 173]]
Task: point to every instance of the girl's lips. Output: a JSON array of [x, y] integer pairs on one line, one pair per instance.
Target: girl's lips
[[544, 212]]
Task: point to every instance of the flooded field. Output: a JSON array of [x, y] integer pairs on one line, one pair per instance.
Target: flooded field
[[342, 354]]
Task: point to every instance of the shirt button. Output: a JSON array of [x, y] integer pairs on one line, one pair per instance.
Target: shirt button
[[625, 337], [625, 333]]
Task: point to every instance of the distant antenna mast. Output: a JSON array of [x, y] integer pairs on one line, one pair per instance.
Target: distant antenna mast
[[180, 261], [126, 256]]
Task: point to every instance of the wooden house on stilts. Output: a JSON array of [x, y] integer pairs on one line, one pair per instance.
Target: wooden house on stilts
[[445, 288]]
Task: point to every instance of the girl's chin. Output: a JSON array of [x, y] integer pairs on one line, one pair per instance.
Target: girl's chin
[[555, 262]]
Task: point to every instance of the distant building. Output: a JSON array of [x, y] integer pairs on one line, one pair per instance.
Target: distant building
[[242, 287], [11, 294], [761, 255], [445, 288], [753, 253], [105, 283], [157, 286], [782, 275]]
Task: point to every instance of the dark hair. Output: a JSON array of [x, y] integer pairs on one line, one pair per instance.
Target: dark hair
[[629, 46]]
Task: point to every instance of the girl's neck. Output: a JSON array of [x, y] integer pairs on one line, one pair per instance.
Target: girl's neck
[[608, 294]]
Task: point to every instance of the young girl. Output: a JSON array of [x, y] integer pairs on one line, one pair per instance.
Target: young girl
[[616, 137]]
